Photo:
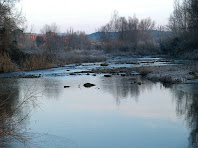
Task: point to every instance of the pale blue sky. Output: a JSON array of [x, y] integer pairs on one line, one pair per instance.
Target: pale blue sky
[[88, 15]]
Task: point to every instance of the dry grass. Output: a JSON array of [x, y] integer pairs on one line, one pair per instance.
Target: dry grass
[[85, 52], [36, 62], [45, 60], [81, 56], [82, 59], [6, 65]]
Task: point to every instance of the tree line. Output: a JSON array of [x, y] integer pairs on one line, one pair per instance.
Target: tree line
[[176, 39], [183, 24], [127, 34]]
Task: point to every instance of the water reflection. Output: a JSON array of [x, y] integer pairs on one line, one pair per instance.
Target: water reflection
[[186, 100], [17, 100], [187, 105], [120, 88], [9, 96], [125, 87]]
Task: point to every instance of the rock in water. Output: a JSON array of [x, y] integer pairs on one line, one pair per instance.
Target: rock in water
[[66, 86], [104, 64], [107, 75], [123, 75], [88, 85]]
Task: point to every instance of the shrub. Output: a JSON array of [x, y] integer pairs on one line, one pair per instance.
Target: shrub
[[6, 65], [15, 53], [35, 62]]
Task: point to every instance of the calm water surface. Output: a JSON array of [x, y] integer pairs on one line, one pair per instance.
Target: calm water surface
[[116, 113]]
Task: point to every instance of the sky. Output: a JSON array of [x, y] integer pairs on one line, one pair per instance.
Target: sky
[[89, 15]]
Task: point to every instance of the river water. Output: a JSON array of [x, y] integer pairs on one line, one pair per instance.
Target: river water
[[116, 113]]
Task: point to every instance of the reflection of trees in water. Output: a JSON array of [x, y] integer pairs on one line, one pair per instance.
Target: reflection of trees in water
[[9, 96], [48, 87], [52, 89], [186, 101], [122, 87], [18, 97], [17, 100], [187, 106]]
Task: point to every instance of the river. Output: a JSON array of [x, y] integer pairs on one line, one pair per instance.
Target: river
[[118, 112]]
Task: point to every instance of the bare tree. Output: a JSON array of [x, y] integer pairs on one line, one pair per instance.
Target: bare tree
[[50, 28], [10, 19], [133, 31], [144, 27], [183, 26], [146, 24], [77, 40], [52, 40], [122, 28], [126, 32], [184, 16], [176, 20]]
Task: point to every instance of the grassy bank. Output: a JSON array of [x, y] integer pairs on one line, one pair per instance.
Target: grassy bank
[[46, 60]]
